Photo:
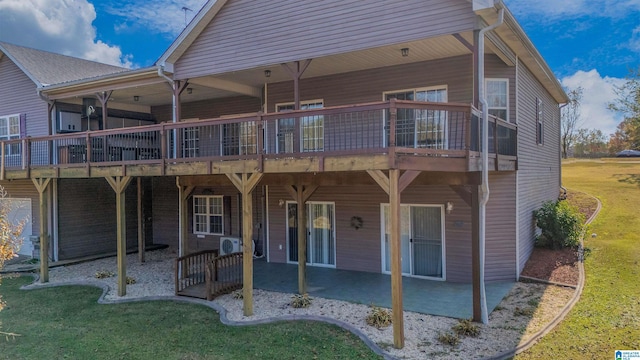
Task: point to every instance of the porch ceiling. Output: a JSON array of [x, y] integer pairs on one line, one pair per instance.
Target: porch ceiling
[[422, 50], [250, 82]]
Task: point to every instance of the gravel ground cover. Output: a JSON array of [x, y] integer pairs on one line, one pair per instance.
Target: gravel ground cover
[[523, 312]]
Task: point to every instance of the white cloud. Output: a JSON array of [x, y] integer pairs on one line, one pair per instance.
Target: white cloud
[[634, 43], [157, 16], [60, 26], [598, 93]]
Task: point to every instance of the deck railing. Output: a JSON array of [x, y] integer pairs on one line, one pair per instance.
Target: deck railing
[[189, 270], [420, 128]]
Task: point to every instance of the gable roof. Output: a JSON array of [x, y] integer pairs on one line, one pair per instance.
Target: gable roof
[[191, 32], [47, 68]]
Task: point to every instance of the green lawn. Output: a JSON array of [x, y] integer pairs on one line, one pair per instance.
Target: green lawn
[[67, 323], [607, 317]]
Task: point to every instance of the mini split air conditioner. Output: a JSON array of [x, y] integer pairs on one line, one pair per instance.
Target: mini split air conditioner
[[229, 245]]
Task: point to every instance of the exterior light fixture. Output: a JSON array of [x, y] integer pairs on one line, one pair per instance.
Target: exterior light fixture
[[136, 98], [405, 52], [449, 207], [267, 73], [189, 91]]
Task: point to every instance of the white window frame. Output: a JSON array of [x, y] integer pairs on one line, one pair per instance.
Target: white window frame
[[444, 247], [313, 140], [445, 130], [308, 227], [191, 142], [11, 136], [506, 108], [247, 138], [207, 214]]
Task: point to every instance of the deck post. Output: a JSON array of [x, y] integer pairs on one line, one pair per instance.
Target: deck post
[[302, 240], [103, 97], [396, 260], [475, 252], [301, 194], [245, 184], [183, 236], [141, 239], [393, 185], [119, 185], [42, 185]]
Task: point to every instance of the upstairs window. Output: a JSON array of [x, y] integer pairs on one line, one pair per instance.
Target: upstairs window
[[311, 128], [498, 97], [539, 121], [10, 130]]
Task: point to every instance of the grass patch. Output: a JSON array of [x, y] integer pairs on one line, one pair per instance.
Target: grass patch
[[67, 323], [606, 317]]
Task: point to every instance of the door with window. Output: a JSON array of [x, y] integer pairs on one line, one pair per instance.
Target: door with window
[[422, 240], [321, 242], [311, 129], [420, 128]]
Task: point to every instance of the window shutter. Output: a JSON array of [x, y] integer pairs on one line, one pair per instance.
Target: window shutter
[[23, 125]]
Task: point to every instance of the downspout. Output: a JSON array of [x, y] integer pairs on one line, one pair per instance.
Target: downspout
[[563, 194], [484, 189], [174, 102]]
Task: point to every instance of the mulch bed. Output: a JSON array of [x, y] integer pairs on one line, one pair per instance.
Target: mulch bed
[[560, 266]]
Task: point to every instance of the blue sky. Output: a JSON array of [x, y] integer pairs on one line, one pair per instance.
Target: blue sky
[[588, 43]]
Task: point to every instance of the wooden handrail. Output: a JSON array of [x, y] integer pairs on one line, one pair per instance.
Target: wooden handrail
[[155, 143], [224, 275], [190, 269]]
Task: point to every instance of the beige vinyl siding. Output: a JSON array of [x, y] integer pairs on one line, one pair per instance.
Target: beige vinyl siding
[[360, 250], [368, 85], [165, 211], [18, 95], [500, 260], [165, 214], [539, 165], [497, 69], [87, 217], [208, 109], [246, 34]]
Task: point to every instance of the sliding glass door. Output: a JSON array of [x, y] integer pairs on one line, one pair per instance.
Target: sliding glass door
[[421, 242], [321, 243]]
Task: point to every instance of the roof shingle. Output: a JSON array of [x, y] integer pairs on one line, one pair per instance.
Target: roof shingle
[[49, 68]]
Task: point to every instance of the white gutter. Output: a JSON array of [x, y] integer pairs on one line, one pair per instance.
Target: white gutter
[[484, 189]]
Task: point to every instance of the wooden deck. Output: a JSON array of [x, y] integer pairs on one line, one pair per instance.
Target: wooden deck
[[436, 137]]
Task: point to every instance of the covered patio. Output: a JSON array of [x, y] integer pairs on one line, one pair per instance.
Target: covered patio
[[419, 295]]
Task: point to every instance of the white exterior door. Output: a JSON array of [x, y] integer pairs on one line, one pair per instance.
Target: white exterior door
[[21, 209], [421, 242]]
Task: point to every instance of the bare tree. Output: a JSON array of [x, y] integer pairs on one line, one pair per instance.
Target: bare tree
[[570, 119], [10, 238], [628, 104]]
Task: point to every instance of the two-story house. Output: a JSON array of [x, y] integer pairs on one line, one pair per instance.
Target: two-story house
[[344, 134]]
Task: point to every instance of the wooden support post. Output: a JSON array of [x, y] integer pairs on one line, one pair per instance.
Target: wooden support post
[[183, 214], [301, 194], [393, 185], [119, 185], [2, 158], [141, 239], [41, 185], [302, 240], [245, 184], [475, 252], [103, 97], [396, 259]]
